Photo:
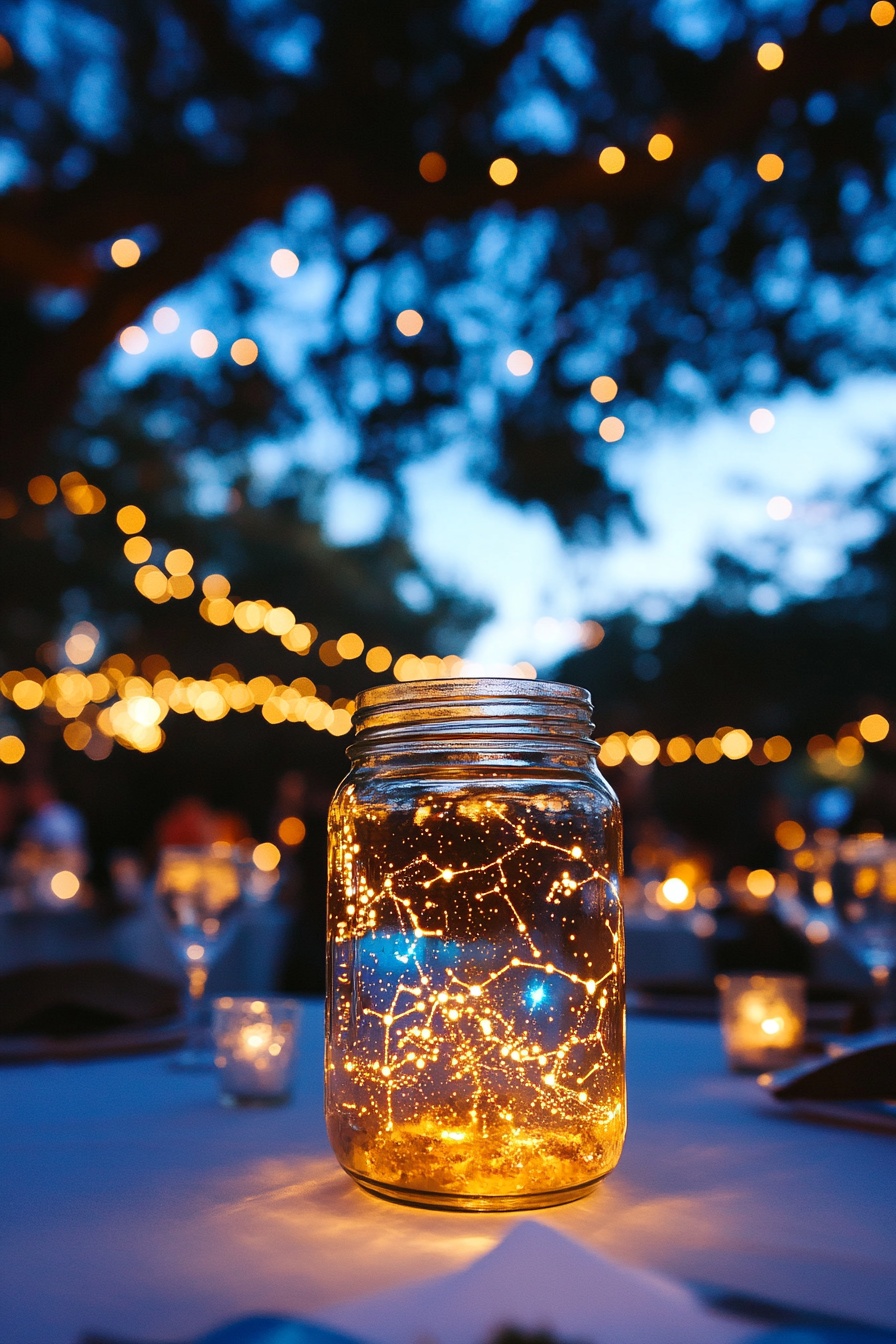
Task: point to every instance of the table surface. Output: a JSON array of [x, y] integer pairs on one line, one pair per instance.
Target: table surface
[[133, 1203]]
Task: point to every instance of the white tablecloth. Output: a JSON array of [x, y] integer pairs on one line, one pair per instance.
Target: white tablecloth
[[131, 1202]]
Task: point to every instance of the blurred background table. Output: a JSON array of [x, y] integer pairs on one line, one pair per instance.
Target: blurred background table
[[134, 1204]]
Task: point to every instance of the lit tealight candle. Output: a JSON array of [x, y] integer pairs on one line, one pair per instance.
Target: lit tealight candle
[[255, 1048], [763, 1019]]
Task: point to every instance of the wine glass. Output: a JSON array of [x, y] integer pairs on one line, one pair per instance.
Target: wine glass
[[200, 892], [864, 890]]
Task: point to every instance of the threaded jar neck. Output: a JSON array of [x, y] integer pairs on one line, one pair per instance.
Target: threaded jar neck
[[470, 711]]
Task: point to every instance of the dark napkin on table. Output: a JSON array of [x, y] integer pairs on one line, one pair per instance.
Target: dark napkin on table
[[863, 1070], [78, 998]]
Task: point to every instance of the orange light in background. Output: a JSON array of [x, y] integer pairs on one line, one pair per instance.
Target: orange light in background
[[660, 147], [244, 351], [760, 882], [519, 363], [329, 654], [203, 343], [125, 252], [215, 585], [8, 506], [178, 562], [165, 320], [502, 172], [882, 13], [770, 56], [777, 748], [137, 550], [432, 167], [77, 734], [643, 747], [679, 749], [675, 894], [611, 159], [279, 621], [790, 834], [284, 263], [42, 489], [708, 750], [130, 519], [266, 856], [849, 751], [822, 891], [591, 634], [874, 727], [770, 167], [6, 53], [604, 388], [378, 659], [65, 885], [291, 831], [409, 322], [611, 429], [133, 340], [735, 744], [12, 749], [350, 645]]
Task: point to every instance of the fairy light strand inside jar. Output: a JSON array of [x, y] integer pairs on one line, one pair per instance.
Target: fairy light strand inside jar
[[475, 1039]]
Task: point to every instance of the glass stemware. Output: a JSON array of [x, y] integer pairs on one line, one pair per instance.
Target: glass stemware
[[864, 891], [200, 892]]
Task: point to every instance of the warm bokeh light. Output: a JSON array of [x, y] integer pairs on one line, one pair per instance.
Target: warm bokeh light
[[266, 856], [874, 727], [350, 645], [6, 53], [409, 322], [178, 562], [770, 56], [708, 750], [502, 172], [777, 748], [133, 340], [762, 420], [735, 743], [203, 343], [779, 507], [279, 621], [130, 519], [291, 831], [378, 659], [760, 882], [679, 749], [660, 147], [849, 751], [8, 506], [244, 351], [770, 167], [165, 320], [137, 550], [12, 749], [81, 645], [432, 167], [604, 388], [215, 585], [42, 489], [284, 263], [519, 363], [643, 747], [790, 834], [611, 429], [65, 885], [674, 894], [882, 13], [612, 159], [125, 252]]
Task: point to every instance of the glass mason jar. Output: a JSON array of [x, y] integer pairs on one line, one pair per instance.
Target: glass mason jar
[[475, 1000]]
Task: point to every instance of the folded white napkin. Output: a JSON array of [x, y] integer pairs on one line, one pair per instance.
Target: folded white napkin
[[534, 1279]]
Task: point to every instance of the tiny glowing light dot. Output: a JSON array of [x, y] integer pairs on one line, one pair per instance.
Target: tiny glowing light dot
[[266, 856], [65, 885], [520, 362], [244, 351], [137, 550], [761, 420], [133, 340], [409, 322], [432, 167], [772, 1026], [660, 147], [770, 56], [770, 167], [12, 749], [42, 489], [284, 263], [612, 159], [779, 507], [130, 519], [125, 252], [604, 388], [882, 13], [611, 429], [165, 320], [502, 172], [874, 727], [203, 343]]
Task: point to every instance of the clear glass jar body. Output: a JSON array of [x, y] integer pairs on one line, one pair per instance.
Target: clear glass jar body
[[475, 1002]]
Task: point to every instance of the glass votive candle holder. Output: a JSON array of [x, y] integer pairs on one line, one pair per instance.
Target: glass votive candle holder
[[255, 1049], [763, 1020]]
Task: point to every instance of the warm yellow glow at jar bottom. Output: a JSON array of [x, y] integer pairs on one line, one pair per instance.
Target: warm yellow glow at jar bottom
[[435, 1161]]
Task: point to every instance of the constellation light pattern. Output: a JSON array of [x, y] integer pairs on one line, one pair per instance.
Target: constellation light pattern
[[476, 999]]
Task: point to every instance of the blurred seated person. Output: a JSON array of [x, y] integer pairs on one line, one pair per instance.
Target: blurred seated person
[[191, 823], [49, 864], [299, 829]]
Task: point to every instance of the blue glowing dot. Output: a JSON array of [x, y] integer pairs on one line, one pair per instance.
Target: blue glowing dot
[[536, 995]]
